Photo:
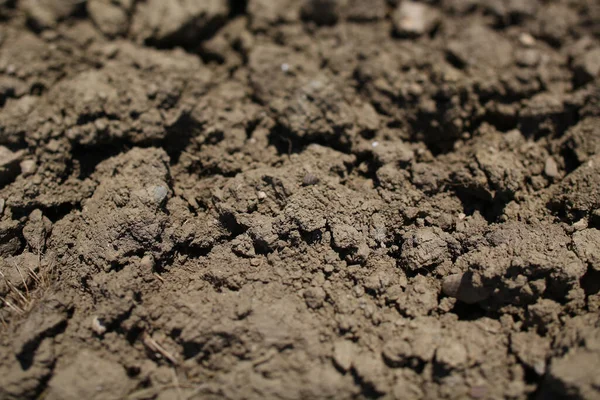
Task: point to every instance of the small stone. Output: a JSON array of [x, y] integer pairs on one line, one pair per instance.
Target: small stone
[[101, 124], [550, 168], [98, 327], [343, 354], [110, 18], [580, 225], [309, 179], [147, 263], [261, 195], [159, 194], [478, 46], [526, 39], [314, 297], [463, 288], [28, 167], [414, 19]]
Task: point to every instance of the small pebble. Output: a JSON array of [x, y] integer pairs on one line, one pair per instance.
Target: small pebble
[[159, 194], [285, 67], [309, 180], [98, 327], [581, 224], [28, 167], [451, 284], [147, 263], [261, 195], [343, 354], [526, 39], [414, 19], [551, 169], [101, 124], [540, 368], [461, 287]]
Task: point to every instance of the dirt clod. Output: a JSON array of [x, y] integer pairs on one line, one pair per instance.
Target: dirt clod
[[88, 376]]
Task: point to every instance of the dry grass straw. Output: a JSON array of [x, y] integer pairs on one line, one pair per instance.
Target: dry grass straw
[[20, 298]]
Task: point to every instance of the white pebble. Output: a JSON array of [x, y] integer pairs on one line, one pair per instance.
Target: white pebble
[[285, 67], [526, 39], [98, 327], [551, 168], [159, 194], [375, 144], [262, 195], [28, 167]]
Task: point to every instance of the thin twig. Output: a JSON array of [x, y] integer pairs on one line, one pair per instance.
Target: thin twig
[[154, 346], [22, 279], [150, 392], [176, 383], [19, 294], [13, 307], [197, 390], [34, 276]]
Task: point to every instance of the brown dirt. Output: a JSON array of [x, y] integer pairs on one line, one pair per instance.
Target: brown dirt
[[323, 199]]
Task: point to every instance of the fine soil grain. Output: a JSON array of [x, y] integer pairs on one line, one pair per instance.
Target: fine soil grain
[[299, 199]]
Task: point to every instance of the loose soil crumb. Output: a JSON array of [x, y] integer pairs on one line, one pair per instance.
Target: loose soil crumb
[[323, 199]]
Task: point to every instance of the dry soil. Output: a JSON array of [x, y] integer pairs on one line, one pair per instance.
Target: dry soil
[[290, 199]]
